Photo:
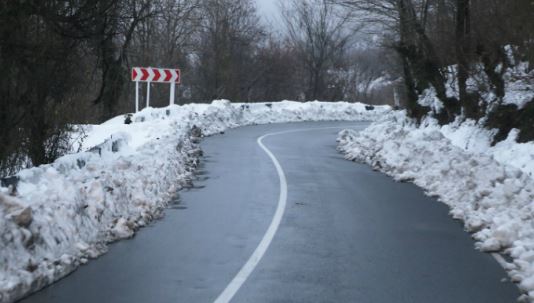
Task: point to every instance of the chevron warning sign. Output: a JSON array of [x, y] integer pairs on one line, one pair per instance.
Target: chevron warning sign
[[158, 75], [154, 75]]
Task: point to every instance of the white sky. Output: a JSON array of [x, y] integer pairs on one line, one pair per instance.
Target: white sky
[[270, 13], [268, 10], [267, 7]]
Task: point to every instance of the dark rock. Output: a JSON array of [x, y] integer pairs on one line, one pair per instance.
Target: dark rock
[[196, 132], [24, 218], [81, 163], [128, 119], [10, 182], [115, 146]]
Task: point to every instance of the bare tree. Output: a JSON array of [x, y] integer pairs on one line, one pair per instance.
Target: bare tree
[[276, 74], [39, 66], [114, 29], [419, 59], [321, 34], [166, 39], [229, 34]]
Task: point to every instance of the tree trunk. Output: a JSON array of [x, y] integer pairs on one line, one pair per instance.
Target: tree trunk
[[463, 29], [37, 132]]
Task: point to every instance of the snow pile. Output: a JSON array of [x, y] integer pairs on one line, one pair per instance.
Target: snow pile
[[222, 114], [518, 85], [60, 215], [474, 138], [64, 213], [490, 189], [287, 111]]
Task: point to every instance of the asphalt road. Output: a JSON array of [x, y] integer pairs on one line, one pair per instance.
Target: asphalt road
[[347, 234]]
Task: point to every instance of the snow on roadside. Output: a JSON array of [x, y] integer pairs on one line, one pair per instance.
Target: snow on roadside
[[474, 138], [491, 189], [518, 84], [62, 214]]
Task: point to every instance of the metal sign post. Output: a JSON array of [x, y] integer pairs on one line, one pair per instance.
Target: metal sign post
[[148, 94], [136, 96], [173, 87], [157, 75]]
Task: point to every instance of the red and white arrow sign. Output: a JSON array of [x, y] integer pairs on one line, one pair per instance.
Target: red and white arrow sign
[[159, 75]]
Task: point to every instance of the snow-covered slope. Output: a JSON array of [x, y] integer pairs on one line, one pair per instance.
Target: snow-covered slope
[[62, 214], [491, 189], [518, 85]]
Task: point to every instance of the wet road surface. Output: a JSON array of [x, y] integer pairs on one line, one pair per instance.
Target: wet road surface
[[348, 234]]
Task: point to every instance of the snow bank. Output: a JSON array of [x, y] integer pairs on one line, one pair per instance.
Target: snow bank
[[62, 214], [518, 85], [490, 189], [474, 138]]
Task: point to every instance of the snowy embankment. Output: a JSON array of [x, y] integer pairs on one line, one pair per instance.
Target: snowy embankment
[[60, 215], [491, 189]]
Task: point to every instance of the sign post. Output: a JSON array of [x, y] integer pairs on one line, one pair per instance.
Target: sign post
[[173, 87], [157, 75], [136, 96], [148, 94]]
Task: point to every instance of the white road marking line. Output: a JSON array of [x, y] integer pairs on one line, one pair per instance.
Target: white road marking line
[[256, 256], [243, 274], [245, 271]]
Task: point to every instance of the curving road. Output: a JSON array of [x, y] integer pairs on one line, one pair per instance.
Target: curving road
[[343, 234]]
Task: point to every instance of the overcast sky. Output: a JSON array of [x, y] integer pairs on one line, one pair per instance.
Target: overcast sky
[[268, 9], [270, 12]]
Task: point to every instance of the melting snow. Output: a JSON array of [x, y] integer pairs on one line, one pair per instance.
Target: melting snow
[[491, 189], [66, 212]]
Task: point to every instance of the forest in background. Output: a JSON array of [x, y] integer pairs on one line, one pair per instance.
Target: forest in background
[[467, 54], [67, 62]]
